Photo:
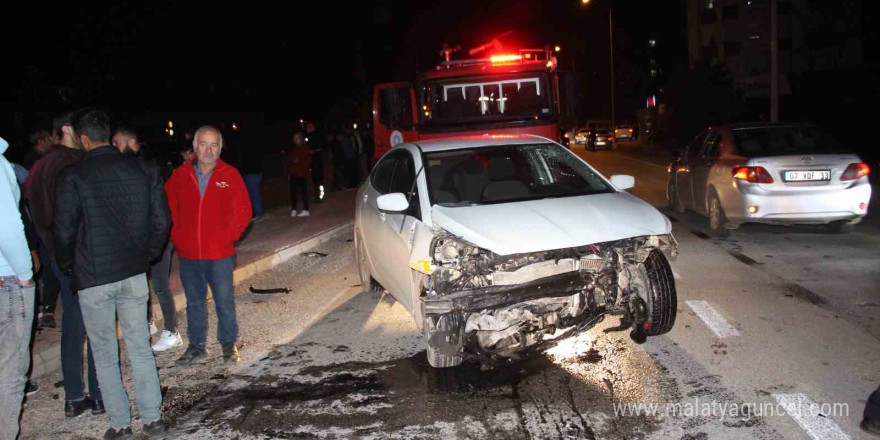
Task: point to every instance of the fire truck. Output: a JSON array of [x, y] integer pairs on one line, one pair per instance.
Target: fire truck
[[519, 92]]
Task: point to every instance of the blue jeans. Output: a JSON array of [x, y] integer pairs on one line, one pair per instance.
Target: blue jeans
[[101, 305], [16, 320], [196, 276], [252, 181], [73, 335]]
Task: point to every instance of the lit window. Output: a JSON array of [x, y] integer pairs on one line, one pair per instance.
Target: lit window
[[754, 37], [652, 43], [710, 4]]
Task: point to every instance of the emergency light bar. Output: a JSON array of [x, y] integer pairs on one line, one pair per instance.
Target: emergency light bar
[[505, 58]]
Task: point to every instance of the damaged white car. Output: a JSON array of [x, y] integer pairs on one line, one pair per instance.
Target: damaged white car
[[501, 246]]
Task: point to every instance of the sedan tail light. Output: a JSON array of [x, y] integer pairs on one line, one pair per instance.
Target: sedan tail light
[[752, 174], [856, 171]]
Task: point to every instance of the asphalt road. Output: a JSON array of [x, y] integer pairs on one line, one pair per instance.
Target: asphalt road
[[758, 339]]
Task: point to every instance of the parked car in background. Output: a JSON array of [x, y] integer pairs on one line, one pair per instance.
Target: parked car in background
[[504, 245], [623, 132], [581, 136], [769, 173]]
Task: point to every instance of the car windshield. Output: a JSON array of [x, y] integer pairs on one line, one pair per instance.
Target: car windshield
[[508, 173], [781, 141]]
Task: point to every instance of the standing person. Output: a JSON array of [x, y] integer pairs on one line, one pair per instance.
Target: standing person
[[299, 161], [349, 154], [335, 144], [252, 172], [315, 140], [41, 141], [17, 291], [47, 296], [209, 210], [41, 199], [126, 141], [111, 220]]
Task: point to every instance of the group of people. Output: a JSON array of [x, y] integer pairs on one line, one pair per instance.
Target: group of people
[[93, 217], [350, 151]]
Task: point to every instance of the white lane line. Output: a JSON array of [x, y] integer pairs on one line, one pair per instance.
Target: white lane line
[[713, 319], [806, 413]]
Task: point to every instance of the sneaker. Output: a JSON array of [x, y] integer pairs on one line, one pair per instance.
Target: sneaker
[[73, 408], [156, 429], [192, 355], [230, 354], [153, 329], [122, 434], [30, 388], [304, 213], [168, 341], [293, 213], [47, 320]]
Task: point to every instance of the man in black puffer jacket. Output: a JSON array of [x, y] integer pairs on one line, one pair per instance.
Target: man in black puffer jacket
[[111, 220]]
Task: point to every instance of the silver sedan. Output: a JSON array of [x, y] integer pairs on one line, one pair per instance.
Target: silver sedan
[[769, 173]]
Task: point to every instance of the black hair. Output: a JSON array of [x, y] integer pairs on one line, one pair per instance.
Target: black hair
[[95, 125], [128, 131], [66, 119]]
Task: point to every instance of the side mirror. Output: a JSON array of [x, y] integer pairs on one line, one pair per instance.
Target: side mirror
[[392, 203], [623, 182]]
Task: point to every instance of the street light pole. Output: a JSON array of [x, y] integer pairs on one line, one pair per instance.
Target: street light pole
[[611, 56], [774, 65]]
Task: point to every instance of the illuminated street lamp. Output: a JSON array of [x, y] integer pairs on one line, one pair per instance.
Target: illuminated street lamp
[[557, 48], [585, 1], [234, 126], [170, 124]]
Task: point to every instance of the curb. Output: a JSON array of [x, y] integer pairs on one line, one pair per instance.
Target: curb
[[48, 360]]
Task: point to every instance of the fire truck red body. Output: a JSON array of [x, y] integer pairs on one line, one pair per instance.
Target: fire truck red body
[[521, 93]]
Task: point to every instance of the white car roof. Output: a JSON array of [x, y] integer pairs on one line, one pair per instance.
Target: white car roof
[[478, 141]]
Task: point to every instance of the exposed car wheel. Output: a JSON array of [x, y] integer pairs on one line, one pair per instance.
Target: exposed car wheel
[[840, 227], [717, 218], [672, 195], [360, 256], [439, 344], [662, 298]]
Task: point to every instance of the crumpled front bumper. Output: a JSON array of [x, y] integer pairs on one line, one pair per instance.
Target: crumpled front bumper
[[495, 297]]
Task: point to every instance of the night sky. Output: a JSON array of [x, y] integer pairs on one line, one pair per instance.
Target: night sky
[[296, 58]]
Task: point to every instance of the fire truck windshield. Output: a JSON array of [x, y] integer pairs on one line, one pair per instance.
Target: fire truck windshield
[[486, 99]]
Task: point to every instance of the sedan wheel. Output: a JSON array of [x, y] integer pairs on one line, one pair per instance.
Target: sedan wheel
[[717, 219], [662, 298]]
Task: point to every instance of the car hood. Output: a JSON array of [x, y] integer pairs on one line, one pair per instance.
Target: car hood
[[556, 223]]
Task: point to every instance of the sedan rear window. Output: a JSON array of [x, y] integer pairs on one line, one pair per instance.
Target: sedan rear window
[[782, 141], [508, 173]]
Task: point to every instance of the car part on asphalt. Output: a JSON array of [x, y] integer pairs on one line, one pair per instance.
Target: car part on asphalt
[[269, 291]]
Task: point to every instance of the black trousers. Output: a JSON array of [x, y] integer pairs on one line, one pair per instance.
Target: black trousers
[[872, 408], [299, 187]]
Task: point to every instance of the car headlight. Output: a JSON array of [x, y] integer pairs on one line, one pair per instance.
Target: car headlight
[[451, 249]]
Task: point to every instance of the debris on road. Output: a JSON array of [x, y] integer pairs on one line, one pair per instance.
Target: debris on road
[[270, 291]]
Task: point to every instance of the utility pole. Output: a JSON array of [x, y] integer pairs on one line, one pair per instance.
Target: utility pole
[[611, 56], [774, 66]]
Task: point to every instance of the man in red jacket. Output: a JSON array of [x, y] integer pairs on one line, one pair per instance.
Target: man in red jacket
[[210, 209]]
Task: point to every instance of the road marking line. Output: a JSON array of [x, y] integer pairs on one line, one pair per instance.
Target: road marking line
[[713, 319], [805, 412]]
